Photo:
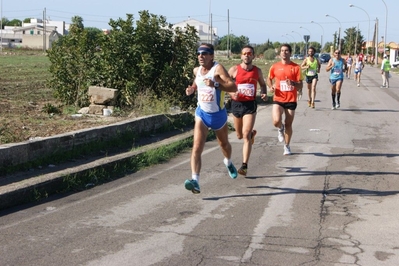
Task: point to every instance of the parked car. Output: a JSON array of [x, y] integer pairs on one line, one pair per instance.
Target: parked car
[[324, 58], [297, 56]]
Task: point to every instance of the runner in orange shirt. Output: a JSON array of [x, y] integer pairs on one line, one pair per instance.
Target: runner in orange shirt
[[285, 80]]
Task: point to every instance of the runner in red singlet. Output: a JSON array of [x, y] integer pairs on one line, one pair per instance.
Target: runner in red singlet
[[243, 104]]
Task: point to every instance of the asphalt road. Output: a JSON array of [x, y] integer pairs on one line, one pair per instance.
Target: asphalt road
[[333, 202]]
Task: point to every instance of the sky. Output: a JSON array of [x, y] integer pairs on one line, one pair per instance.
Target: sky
[[259, 20]]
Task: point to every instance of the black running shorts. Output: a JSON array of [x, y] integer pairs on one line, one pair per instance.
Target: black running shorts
[[239, 109], [309, 79], [290, 106]]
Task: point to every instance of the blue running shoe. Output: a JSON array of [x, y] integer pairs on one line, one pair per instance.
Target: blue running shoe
[[192, 185], [232, 171]]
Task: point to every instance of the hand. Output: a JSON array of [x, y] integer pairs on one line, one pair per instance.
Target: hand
[[234, 95], [290, 83], [299, 96], [263, 97], [209, 82], [190, 90]]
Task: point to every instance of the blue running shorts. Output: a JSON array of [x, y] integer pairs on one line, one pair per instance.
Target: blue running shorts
[[213, 121]]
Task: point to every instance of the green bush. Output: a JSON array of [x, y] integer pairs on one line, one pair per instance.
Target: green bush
[[269, 54], [151, 57]]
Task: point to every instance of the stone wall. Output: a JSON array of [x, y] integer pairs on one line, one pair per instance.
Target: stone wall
[[19, 153]]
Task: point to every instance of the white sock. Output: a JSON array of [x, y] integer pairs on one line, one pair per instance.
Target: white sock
[[227, 162], [195, 177]]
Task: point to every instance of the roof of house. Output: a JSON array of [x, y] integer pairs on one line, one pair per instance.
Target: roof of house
[[37, 27]]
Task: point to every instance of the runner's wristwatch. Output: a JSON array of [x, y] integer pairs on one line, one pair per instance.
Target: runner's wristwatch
[[216, 84]]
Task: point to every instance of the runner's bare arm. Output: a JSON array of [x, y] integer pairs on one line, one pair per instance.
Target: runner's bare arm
[[191, 89], [233, 74], [226, 83], [262, 84]]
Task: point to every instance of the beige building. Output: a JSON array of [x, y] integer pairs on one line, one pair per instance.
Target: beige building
[[33, 35], [36, 37]]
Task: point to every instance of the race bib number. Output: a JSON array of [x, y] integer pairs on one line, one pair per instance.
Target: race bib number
[[285, 87], [311, 72], [206, 97], [246, 89], [337, 71]]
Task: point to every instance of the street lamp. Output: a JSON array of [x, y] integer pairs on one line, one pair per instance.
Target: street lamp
[[300, 36], [386, 24], [321, 35], [290, 36], [294, 41], [285, 37], [368, 33], [339, 32], [306, 29], [306, 39]]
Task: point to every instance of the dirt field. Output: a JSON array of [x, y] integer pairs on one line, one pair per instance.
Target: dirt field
[[23, 95]]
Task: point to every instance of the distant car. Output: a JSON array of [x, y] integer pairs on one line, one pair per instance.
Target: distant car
[[316, 55], [324, 58], [294, 56], [300, 57]]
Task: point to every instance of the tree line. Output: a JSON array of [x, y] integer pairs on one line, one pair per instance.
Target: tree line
[[352, 43], [144, 56], [14, 22]]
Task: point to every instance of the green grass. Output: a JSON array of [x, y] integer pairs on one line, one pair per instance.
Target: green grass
[[263, 64]]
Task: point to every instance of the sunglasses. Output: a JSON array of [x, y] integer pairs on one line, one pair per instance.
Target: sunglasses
[[247, 53], [203, 53], [337, 53]]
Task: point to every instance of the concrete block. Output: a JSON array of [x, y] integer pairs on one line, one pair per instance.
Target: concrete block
[[102, 95], [96, 109]]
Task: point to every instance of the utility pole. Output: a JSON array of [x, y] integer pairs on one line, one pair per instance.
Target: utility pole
[[210, 23], [376, 41], [44, 30], [1, 26], [228, 34], [211, 30], [357, 33]]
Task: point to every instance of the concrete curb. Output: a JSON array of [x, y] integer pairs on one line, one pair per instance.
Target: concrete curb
[[24, 191]]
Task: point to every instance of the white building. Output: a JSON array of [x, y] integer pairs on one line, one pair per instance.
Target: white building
[[205, 33], [59, 26], [9, 38]]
